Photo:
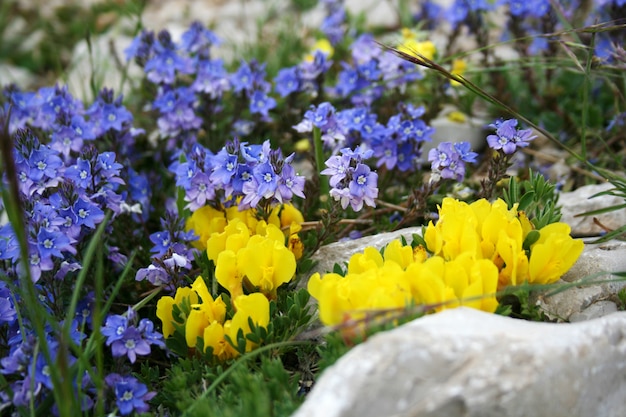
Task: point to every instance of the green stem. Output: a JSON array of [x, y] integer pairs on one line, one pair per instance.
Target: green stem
[[319, 160]]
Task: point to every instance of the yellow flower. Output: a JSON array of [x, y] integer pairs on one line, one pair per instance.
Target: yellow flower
[[396, 252], [266, 263], [289, 215], [296, 246], [214, 337], [473, 281], [323, 45], [269, 231], [427, 284], [553, 254], [458, 68], [228, 273], [248, 217], [204, 222], [331, 293], [456, 116], [427, 49], [255, 306], [234, 237], [166, 304], [203, 314], [369, 259], [303, 145]]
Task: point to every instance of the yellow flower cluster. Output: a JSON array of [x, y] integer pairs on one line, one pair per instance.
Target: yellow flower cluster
[[207, 318], [246, 252], [208, 221], [475, 249]]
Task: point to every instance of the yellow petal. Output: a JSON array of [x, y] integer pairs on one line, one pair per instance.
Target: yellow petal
[[194, 328], [255, 306], [228, 274], [164, 313]]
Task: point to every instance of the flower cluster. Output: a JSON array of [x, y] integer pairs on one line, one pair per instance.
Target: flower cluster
[[249, 254], [66, 184], [473, 251], [126, 338], [508, 137], [396, 145], [130, 394], [506, 238], [353, 183], [448, 159], [253, 175], [206, 319]]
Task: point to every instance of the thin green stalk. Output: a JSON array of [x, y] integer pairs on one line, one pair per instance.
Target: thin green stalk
[[94, 244], [585, 99], [319, 160], [38, 315]]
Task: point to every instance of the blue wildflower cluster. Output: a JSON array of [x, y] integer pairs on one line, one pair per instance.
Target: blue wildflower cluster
[[242, 173], [448, 159], [396, 145], [371, 72], [353, 182], [66, 186], [508, 137], [127, 339]]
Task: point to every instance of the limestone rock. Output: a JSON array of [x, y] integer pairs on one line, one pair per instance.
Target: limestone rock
[[581, 201], [464, 362], [596, 263]]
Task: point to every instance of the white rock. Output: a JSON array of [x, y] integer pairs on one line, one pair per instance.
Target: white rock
[[464, 362], [581, 201]]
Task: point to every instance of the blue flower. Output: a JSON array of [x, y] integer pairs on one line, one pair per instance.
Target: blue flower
[[465, 152], [200, 191], [161, 68], [130, 394], [508, 137], [43, 162], [140, 48], [249, 77], [261, 103], [224, 168], [289, 184], [51, 243], [198, 39], [266, 178], [338, 167], [448, 159], [7, 311], [363, 187], [211, 78], [114, 328], [80, 173], [130, 344], [87, 213], [287, 81]]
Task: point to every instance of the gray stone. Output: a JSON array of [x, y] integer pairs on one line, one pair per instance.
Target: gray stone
[[594, 311], [464, 362], [581, 201]]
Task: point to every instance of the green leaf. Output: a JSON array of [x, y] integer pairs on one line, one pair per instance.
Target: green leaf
[[526, 201]]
